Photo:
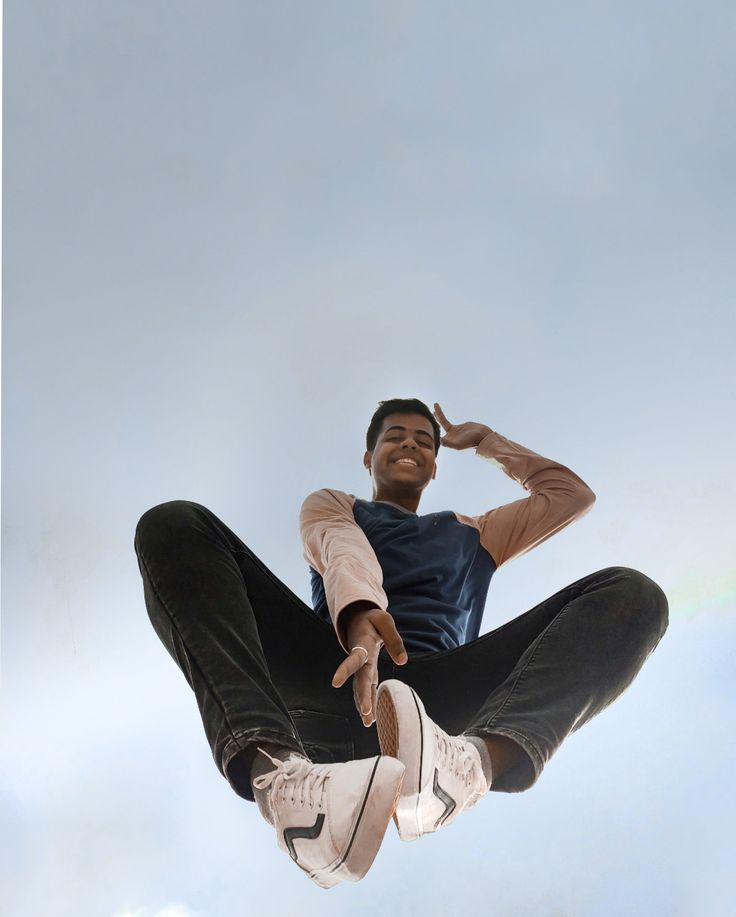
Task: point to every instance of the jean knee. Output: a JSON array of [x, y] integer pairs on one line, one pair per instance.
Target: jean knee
[[164, 517], [651, 599]]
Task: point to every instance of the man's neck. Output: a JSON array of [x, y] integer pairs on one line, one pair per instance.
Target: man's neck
[[398, 506]]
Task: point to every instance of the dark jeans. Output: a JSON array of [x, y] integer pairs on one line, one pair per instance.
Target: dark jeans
[[260, 662]]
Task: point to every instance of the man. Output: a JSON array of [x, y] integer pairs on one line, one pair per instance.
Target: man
[[438, 714]]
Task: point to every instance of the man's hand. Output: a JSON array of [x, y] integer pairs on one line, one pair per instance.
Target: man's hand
[[460, 435], [370, 629]]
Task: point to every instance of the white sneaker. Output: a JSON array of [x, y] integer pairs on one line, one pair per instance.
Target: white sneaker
[[444, 774], [331, 818]]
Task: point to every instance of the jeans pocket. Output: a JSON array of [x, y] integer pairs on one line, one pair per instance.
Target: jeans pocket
[[326, 737]]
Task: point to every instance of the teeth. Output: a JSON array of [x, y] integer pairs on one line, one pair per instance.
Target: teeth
[[406, 462]]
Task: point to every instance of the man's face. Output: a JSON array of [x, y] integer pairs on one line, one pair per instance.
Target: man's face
[[407, 436]]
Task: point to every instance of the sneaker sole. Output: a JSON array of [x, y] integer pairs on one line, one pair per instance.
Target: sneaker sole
[[378, 805], [401, 736]]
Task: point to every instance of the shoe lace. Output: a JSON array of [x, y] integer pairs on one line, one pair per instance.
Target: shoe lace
[[294, 776], [462, 758]]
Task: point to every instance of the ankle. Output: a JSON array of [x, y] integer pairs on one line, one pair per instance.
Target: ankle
[[504, 753], [485, 757]]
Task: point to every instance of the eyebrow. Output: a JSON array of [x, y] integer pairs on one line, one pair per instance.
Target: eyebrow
[[397, 426]]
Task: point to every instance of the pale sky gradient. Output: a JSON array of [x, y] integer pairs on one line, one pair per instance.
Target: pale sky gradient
[[230, 230]]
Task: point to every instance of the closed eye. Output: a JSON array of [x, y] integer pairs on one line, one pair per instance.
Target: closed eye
[[421, 442]]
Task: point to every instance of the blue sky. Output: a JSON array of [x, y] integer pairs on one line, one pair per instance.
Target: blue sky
[[230, 230]]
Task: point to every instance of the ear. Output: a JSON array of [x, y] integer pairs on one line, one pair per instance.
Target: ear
[[367, 460]]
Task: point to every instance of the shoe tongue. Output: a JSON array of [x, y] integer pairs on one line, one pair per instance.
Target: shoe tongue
[[464, 755], [293, 765], [287, 767], [447, 743]]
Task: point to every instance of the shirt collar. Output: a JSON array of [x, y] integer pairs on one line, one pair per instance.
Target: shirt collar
[[402, 508]]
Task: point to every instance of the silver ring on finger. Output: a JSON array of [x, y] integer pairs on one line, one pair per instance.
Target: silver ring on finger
[[367, 654]]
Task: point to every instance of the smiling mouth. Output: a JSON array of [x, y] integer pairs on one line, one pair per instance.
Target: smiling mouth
[[404, 464]]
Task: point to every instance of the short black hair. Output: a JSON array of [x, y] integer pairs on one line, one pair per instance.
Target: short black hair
[[400, 406]]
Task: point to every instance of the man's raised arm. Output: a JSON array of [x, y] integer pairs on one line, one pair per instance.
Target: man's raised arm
[[558, 497]]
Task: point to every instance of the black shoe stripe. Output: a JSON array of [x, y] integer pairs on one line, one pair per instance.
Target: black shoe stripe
[[444, 797], [358, 819], [421, 738], [309, 833]]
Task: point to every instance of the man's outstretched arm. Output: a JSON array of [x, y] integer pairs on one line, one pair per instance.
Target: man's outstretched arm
[[338, 549]]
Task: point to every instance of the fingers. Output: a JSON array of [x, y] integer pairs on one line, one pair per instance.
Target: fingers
[[391, 638], [365, 681], [368, 635], [365, 686], [443, 420], [348, 667]]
